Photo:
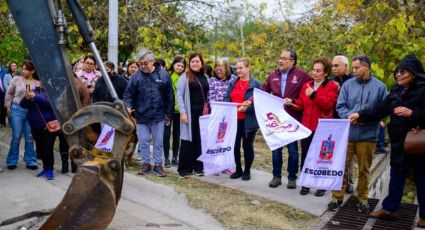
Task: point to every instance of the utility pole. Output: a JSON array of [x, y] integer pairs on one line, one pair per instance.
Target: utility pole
[[215, 39], [113, 33], [242, 40], [241, 23]]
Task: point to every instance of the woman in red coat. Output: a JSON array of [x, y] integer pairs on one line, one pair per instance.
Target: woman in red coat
[[317, 100]]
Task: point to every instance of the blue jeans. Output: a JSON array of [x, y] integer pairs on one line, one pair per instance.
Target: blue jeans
[[144, 132], [381, 138], [391, 203], [19, 123], [292, 161]]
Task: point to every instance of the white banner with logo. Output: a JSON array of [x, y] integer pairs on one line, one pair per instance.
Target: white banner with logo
[[105, 142], [218, 134], [325, 161], [277, 126]]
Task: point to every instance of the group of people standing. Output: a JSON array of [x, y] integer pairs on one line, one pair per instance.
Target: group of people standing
[[168, 103], [160, 101], [364, 100], [359, 97], [30, 114]]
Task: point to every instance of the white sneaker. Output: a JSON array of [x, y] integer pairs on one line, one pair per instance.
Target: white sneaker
[[137, 157]]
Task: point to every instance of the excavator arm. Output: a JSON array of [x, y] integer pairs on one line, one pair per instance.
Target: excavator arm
[[93, 195]]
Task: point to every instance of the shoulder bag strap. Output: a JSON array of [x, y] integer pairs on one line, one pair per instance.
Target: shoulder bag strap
[[202, 89], [41, 114]]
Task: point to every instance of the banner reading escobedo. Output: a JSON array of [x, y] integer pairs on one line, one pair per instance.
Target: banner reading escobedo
[[218, 134], [325, 162]]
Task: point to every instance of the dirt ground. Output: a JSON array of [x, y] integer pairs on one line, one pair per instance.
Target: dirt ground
[[236, 209]]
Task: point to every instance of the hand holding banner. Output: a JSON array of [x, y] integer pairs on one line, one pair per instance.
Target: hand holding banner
[[325, 162], [277, 126], [218, 134]]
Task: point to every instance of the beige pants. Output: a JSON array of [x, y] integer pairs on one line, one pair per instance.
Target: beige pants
[[364, 151]]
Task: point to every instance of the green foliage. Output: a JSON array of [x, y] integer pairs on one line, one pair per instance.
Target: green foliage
[[386, 30], [160, 25], [3, 6], [383, 29], [12, 48]]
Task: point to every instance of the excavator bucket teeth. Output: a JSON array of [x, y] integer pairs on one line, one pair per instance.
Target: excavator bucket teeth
[[89, 203], [93, 195]]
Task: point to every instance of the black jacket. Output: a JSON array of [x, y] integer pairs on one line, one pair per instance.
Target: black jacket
[[150, 95], [340, 81], [412, 98], [101, 92]]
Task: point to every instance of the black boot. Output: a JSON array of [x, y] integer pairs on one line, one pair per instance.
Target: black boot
[[74, 167], [65, 166]]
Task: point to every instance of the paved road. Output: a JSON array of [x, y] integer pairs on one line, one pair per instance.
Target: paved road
[[144, 205]]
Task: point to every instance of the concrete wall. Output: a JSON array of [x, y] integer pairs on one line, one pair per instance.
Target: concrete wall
[[380, 177]]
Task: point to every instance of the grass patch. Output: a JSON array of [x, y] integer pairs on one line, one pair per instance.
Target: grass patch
[[235, 209], [263, 156], [409, 193]]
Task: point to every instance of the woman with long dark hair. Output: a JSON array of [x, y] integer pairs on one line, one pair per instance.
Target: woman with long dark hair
[[18, 116], [132, 67], [192, 92], [39, 114], [176, 69], [13, 67]]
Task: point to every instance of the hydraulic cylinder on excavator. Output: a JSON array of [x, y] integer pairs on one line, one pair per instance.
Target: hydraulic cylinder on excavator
[[93, 195]]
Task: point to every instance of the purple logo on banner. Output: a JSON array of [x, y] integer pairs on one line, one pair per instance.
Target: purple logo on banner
[[275, 125]]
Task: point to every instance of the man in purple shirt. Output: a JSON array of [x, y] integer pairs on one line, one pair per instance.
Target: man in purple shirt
[[286, 82]]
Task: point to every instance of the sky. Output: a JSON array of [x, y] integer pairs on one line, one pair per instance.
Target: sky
[[273, 7]]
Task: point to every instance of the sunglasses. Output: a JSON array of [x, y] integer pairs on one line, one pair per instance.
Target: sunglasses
[[401, 71]]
